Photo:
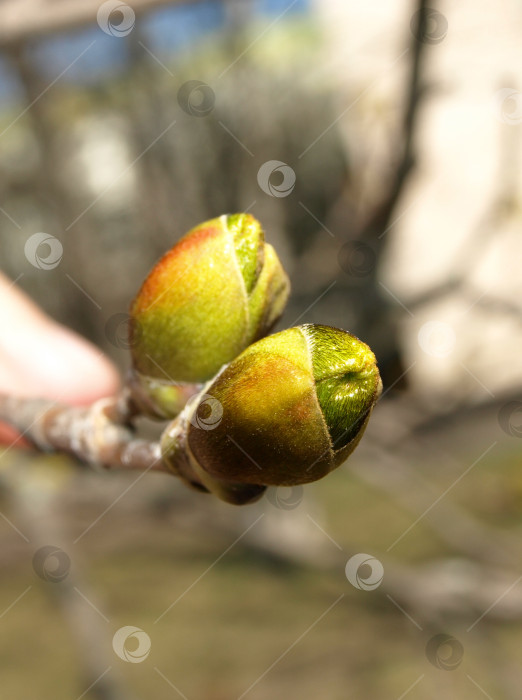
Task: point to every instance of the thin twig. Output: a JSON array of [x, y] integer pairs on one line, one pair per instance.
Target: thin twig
[[380, 217]]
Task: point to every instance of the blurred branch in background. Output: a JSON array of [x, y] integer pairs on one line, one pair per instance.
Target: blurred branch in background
[[364, 212], [26, 19]]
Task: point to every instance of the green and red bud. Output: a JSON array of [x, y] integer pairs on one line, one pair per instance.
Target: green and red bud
[[220, 288], [290, 409]]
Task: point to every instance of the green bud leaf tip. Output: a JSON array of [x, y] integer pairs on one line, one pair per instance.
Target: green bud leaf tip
[[249, 246], [292, 407], [346, 380], [220, 288]]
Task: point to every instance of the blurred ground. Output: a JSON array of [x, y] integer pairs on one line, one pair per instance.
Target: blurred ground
[[236, 620]]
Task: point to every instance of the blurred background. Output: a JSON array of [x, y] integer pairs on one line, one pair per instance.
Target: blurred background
[[380, 146]]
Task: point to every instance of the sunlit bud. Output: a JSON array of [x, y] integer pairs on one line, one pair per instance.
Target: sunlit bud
[[220, 288], [288, 410]]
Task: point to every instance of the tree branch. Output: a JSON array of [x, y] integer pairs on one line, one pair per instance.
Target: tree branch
[[24, 19], [97, 434]]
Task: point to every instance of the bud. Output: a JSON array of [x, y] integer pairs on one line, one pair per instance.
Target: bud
[[293, 406], [220, 288]]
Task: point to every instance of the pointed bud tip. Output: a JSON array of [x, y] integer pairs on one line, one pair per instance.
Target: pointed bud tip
[[249, 241]]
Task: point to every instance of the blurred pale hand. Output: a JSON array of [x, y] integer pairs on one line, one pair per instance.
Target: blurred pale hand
[[40, 358]]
